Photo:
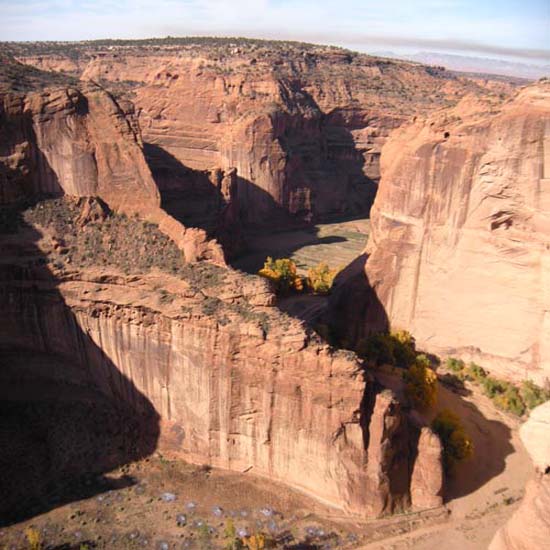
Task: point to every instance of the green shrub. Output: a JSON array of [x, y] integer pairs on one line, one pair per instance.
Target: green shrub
[[455, 365], [493, 387], [533, 395], [457, 445], [421, 385], [396, 348], [476, 373], [510, 401]]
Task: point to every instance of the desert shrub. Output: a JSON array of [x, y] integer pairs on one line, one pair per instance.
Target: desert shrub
[[258, 541], [232, 541], [455, 365], [282, 272], [33, 538], [457, 445], [476, 373], [533, 395], [493, 387], [377, 349], [320, 278], [211, 305], [510, 400], [404, 348], [421, 385], [396, 348]]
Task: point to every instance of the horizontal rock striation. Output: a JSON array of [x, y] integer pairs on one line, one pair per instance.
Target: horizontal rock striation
[[459, 249], [81, 142], [101, 353], [225, 394], [303, 126]]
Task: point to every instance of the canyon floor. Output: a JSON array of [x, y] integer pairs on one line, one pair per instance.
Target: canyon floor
[[137, 505], [337, 243]]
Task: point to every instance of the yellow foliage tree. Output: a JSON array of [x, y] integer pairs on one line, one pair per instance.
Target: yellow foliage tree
[[33, 538], [457, 445], [282, 272], [255, 542], [320, 278], [421, 385]]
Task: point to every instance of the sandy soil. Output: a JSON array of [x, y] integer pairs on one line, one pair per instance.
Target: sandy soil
[[486, 489], [336, 243]]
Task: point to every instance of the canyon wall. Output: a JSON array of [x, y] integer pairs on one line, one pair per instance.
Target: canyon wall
[[225, 394], [459, 252], [81, 142], [303, 126], [94, 358]]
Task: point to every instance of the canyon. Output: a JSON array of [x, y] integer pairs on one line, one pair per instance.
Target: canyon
[[304, 142], [132, 321], [134, 174], [458, 253]]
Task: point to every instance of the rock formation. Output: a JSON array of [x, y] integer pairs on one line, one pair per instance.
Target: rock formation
[[109, 340], [80, 142], [304, 140], [529, 527], [459, 251]]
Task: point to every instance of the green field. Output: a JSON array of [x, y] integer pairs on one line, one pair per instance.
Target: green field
[[336, 244]]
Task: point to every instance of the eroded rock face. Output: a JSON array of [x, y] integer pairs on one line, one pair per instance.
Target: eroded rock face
[[226, 394], [529, 527], [80, 142], [459, 249], [304, 129], [202, 368], [427, 477]]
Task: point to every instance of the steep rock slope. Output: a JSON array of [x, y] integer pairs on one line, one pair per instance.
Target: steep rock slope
[[110, 340], [459, 250], [80, 141], [303, 125], [212, 371]]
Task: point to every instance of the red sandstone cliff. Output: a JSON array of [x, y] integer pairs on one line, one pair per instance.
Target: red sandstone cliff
[[459, 251], [529, 527], [303, 125], [81, 142], [198, 364]]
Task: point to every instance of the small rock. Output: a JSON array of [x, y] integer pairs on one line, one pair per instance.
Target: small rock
[[181, 520], [168, 497], [217, 511]]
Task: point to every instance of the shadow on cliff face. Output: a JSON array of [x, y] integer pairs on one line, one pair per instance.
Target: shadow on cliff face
[[333, 189], [67, 413], [354, 311], [354, 307]]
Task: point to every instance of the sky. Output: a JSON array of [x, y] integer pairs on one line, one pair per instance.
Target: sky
[[514, 29]]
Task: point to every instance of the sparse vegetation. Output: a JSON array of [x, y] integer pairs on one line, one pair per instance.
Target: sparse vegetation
[[129, 244], [33, 538], [421, 384], [395, 348], [320, 278], [457, 445], [505, 395], [283, 274]]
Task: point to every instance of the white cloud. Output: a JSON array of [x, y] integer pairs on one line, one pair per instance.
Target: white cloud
[[443, 24]]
